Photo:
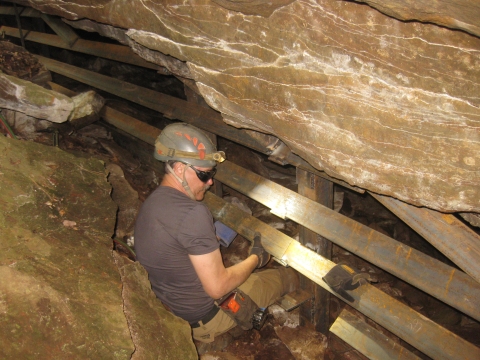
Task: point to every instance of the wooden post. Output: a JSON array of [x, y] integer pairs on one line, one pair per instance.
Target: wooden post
[[321, 191]]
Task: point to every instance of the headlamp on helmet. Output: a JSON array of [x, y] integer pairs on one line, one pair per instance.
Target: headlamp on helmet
[[185, 143]]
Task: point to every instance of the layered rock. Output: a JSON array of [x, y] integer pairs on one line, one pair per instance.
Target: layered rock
[[385, 105], [460, 14], [24, 89], [32, 99]]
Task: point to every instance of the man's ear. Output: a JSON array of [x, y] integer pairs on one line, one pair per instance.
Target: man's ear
[[178, 168]]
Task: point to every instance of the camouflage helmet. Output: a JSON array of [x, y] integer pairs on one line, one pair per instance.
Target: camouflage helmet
[[188, 144]]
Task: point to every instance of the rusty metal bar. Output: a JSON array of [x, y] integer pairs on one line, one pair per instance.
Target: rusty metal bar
[[428, 274], [174, 108], [442, 281], [439, 280], [130, 125], [420, 332], [65, 32], [19, 24], [298, 162], [25, 12], [125, 122], [444, 231], [126, 55], [414, 328], [283, 156], [368, 340], [169, 106], [108, 51]]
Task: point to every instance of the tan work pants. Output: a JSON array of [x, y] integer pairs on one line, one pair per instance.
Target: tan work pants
[[263, 287]]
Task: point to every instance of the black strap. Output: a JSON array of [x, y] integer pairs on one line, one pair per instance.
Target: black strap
[[209, 316]]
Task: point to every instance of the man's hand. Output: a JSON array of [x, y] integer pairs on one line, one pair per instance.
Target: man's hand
[[257, 249]]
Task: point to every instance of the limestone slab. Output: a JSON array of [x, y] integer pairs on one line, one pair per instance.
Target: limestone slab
[[385, 105]]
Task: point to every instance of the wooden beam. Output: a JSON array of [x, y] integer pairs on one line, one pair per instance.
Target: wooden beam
[[129, 124]]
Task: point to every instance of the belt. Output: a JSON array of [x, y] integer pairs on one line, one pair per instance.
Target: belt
[[209, 316]]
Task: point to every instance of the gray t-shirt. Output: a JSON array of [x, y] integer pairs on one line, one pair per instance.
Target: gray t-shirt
[[169, 227]]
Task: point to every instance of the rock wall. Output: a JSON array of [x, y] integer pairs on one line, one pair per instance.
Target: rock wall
[[63, 294], [386, 105]]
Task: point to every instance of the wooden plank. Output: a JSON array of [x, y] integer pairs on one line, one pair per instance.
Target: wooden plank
[[129, 124], [368, 340]]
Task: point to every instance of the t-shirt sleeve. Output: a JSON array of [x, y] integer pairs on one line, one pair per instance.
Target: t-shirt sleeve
[[197, 233]]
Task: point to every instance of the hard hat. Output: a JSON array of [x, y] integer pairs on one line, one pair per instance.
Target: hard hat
[[188, 144]]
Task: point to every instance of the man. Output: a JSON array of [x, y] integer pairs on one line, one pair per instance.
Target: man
[[176, 243]]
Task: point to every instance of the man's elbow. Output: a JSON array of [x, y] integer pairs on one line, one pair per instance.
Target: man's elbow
[[215, 292]]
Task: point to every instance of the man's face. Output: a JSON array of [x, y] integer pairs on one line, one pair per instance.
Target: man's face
[[198, 187]]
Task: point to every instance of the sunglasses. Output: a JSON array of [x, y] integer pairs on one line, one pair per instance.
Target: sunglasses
[[204, 176]]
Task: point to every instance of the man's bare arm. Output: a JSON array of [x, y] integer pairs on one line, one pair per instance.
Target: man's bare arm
[[218, 280]]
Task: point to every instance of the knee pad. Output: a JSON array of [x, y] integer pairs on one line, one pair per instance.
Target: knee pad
[[240, 307]]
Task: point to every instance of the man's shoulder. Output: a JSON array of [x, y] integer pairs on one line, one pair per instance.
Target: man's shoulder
[[168, 191], [166, 194], [173, 200]]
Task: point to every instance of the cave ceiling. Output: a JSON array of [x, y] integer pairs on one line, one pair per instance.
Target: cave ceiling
[[382, 95]]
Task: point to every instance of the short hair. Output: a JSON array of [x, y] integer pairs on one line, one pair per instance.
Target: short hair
[[171, 163]]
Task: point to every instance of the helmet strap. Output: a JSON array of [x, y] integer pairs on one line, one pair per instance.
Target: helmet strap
[[183, 182], [173, 154]]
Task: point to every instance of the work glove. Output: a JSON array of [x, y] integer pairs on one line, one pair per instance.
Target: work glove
[[343, 277], [257, 249]]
